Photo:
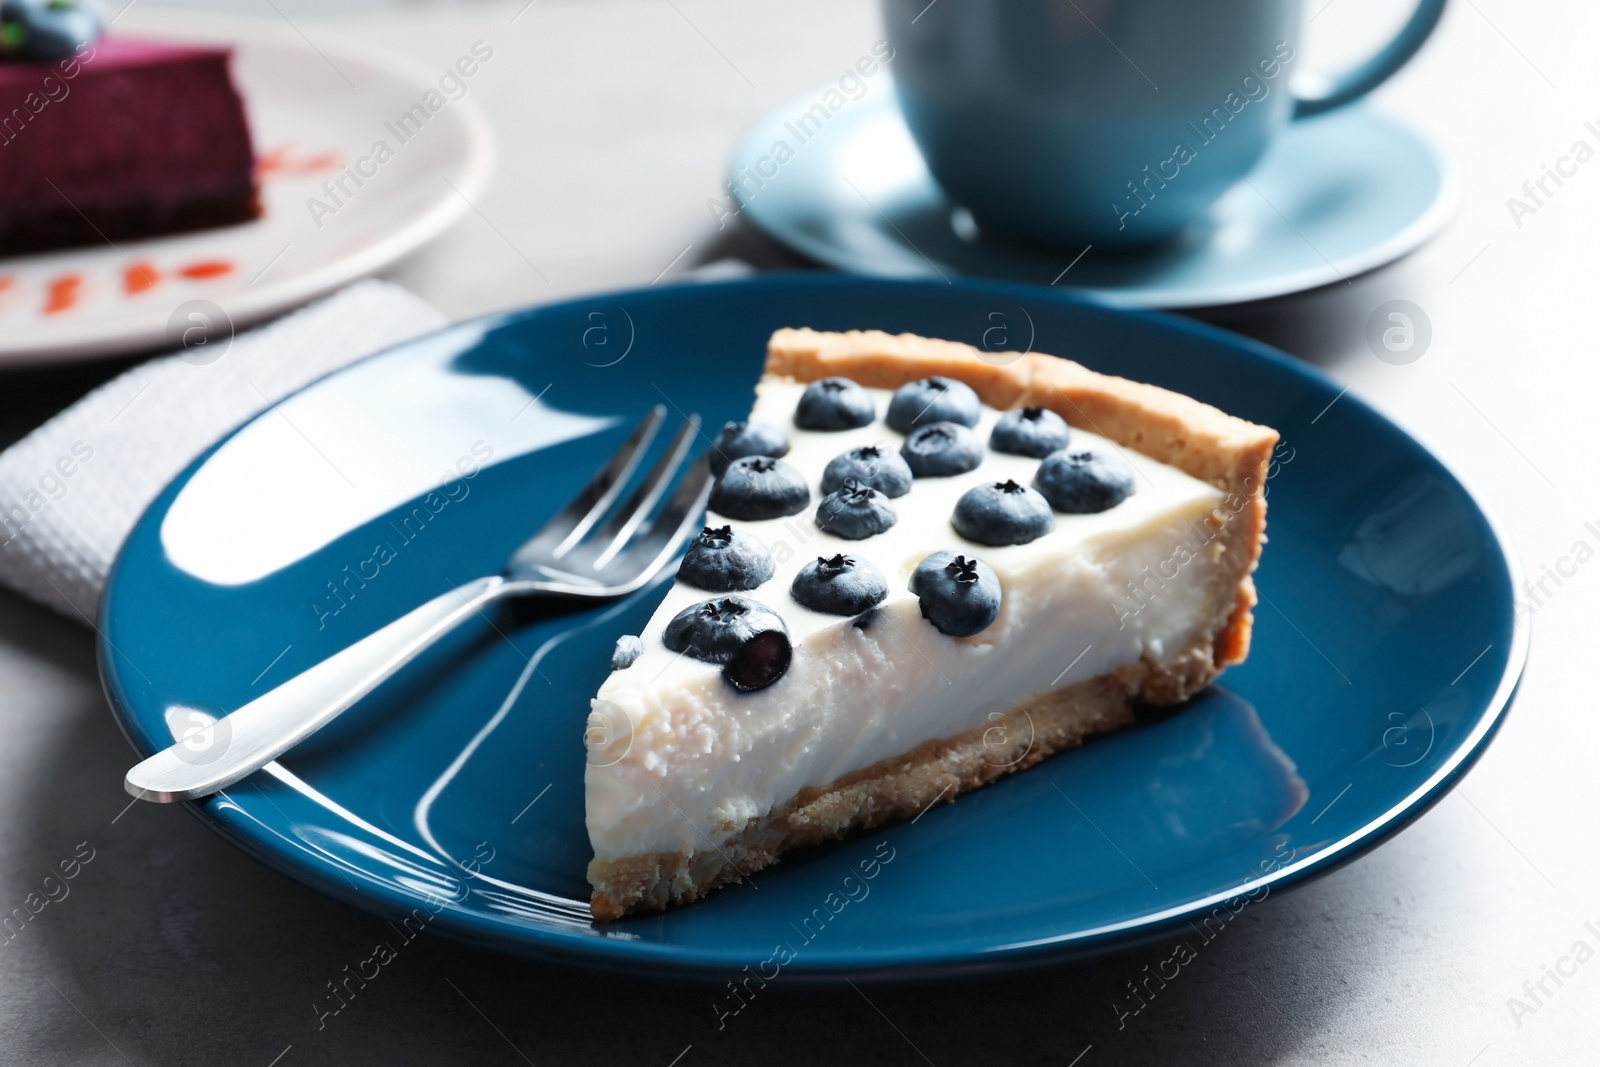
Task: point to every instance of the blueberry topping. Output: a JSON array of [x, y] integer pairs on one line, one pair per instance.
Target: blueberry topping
[[942, 449], [740, 439], [1032, 432], [48, 29], [932, 400], [873, 465], [855, 512], [629, 648], [960, 596], [759, 487], [1084, 480], [722, 561], [834, 404], [1002, 513], [843, 585], [759, 662], [747, 638]]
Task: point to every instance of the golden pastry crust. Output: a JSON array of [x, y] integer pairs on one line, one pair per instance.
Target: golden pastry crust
[[900, 787], [1227, 452]]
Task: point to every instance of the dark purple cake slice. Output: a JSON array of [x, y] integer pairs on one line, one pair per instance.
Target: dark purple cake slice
[[129, 139]]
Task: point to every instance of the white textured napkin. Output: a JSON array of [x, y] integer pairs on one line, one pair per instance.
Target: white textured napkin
[[71, 490]]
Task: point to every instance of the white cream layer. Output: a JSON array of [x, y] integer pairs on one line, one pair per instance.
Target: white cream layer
[[679, 761]]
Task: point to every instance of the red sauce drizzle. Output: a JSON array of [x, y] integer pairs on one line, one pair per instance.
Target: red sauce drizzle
[[283, 161], [271, 162], [63, 294], [207, 268], [139, 277]]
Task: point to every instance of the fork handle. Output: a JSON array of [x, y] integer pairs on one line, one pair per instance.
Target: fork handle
[[215, 756]]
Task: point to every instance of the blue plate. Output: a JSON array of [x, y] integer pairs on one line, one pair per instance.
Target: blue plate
[[1386, 649], [1334, 196]]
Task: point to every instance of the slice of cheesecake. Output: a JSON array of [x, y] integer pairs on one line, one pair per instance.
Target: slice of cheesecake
[[925, 567]]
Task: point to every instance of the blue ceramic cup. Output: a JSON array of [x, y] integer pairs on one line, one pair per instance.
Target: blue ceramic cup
[[1115, 122]]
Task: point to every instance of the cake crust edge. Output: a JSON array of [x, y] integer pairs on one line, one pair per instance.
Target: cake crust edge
[[900, 787]]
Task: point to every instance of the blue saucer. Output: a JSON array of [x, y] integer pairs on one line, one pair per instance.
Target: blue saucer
[[1385, 652], [1335, 196]]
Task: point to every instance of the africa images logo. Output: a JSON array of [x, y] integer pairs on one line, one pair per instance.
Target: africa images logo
[[405, 127], [852, 86], [1253, 87]]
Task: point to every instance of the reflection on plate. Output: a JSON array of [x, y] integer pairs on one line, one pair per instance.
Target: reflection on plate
[[455, 792]]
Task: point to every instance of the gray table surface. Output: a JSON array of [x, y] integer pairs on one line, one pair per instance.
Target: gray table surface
[[614, 120]]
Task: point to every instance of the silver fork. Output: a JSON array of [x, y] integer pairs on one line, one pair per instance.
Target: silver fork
[[572, 555]]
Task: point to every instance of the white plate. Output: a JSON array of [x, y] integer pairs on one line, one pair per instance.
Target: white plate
[[307, 121]]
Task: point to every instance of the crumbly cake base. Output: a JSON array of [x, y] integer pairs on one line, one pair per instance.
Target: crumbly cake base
[[903, 786]]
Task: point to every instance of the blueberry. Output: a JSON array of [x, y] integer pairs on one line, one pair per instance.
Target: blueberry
[[740, 439], [746, 637], [629, 648], [855, 512], [960, 596], [843, 585], [49, 29], [834, 404], [874, 465], [759, 662], [932, 400], [1002, 513], [1084, 481], [942, 449], [1034, 432], [759, 487], [722, 561]]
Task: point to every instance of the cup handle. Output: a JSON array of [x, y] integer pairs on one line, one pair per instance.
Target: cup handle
[[1354, 84]]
